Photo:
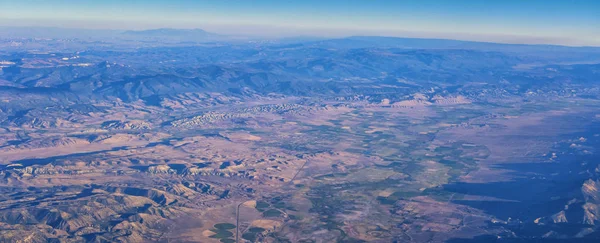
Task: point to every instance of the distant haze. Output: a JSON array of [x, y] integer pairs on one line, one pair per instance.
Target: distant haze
[[509, 21]]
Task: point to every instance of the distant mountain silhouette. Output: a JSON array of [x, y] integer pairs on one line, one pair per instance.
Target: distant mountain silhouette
[[353, 42], [169, 32]]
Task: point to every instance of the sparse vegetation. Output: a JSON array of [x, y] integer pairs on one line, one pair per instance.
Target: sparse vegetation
[[309, 142]]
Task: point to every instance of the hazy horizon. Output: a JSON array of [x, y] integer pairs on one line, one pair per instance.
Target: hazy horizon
[[532, 22], [244, 121], [335, 34]]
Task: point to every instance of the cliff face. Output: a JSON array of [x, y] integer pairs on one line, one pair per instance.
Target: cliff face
[[584, 210], [591, 208]]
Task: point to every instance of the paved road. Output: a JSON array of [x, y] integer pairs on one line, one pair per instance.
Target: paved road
[[237, 223], [237, 214], [298, 172]]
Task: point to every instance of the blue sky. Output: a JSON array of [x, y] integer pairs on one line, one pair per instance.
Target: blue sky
[[572, 22]]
